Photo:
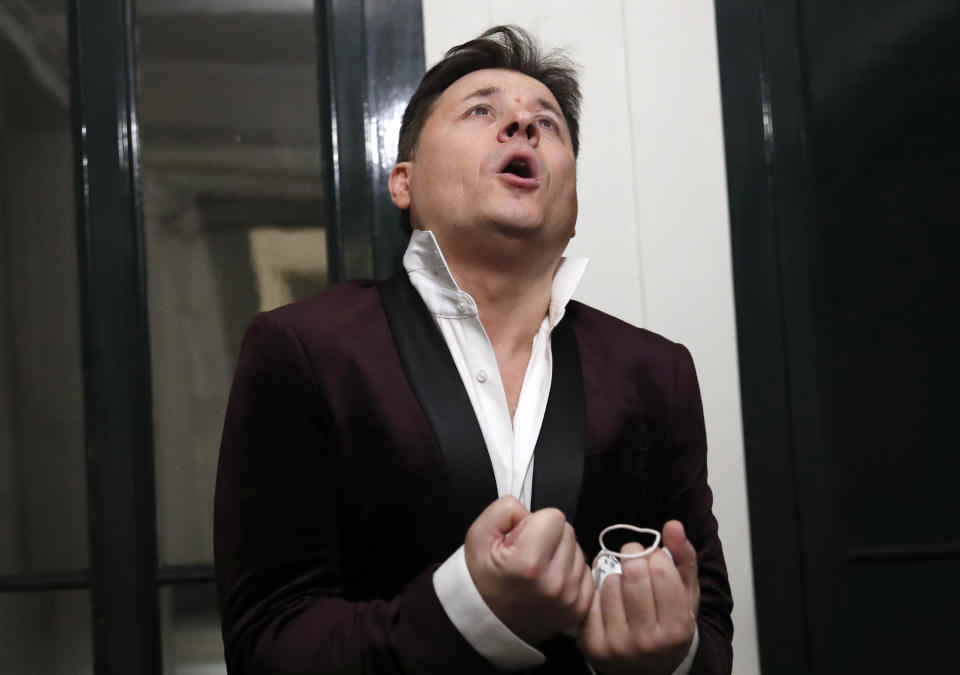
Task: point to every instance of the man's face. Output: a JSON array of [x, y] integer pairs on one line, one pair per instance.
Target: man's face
[[494, 158]]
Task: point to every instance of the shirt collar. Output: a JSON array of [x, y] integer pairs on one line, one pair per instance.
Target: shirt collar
[[430, 275]]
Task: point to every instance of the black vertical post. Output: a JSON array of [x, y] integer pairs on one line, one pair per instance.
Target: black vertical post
[[329, 139], [395, 64], [797, 564], [341, 50], [782, 618], [370, 60], [119, 436]]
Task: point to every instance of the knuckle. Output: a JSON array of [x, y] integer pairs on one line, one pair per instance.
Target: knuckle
[[554, 515], [673, 632], [610, 590], [552, 587], [572, 595], [533, 572], [661, 559], [677, 636], [529, 569], [597, 648], [580, 560], [644, 642], [659, 572], [582, 608], [584, 600], [634, 571], [509, 499], [588, 589], [569, 594], [622, 646]]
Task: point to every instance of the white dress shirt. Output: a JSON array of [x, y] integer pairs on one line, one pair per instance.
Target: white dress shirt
[[510, 443]]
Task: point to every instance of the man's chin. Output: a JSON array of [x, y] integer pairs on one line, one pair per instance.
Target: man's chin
[[516, 226], [519, 231]]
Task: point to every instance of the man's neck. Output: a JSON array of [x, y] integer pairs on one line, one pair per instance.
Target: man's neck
[[511, 305], [510, 282]]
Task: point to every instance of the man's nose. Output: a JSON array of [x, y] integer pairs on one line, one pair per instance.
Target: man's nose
[[520, 123]]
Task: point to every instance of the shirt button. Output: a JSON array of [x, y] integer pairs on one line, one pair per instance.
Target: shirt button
[[481, 376], [462, 304]]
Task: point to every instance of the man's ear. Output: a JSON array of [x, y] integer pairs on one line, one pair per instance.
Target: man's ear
[[399, 184]]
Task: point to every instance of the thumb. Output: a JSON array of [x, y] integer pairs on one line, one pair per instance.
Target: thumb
[[487, 532], [684, 557], [500, 517]]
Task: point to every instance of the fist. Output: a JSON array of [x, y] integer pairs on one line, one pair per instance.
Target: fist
[[529, 569], [643, 620]]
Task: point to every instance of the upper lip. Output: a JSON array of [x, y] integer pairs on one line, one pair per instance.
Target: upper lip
[[524, 164]]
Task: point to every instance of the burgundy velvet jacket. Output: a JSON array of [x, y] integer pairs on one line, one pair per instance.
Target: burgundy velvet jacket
[[352, 465]]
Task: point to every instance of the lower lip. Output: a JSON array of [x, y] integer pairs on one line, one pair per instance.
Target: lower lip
[[519, 181]]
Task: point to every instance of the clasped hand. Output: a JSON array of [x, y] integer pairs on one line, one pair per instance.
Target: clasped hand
[[532, 574]]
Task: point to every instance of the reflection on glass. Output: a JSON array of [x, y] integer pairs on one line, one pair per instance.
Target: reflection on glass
[[190, 625], [43, 524], [232, 203], [46, 633]]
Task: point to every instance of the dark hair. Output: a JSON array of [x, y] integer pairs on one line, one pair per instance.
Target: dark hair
[[508, 47]]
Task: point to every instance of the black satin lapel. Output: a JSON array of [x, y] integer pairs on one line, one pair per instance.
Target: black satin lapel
[[436, 383], [561, 447]]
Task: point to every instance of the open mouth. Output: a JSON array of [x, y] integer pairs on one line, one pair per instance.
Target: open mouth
[[522, 167]]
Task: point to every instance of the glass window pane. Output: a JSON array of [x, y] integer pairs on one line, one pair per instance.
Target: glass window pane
[[43, 515], [190, 624], [233, 209], [46, 633]]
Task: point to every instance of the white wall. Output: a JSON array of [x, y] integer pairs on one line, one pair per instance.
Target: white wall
[[653, 207]]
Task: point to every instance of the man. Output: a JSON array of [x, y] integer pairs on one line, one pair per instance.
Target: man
[[412, 471]]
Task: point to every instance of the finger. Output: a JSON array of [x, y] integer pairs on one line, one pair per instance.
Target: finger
[[669, 594], [640, 608], [537, 543], [567, 550], [591, 638], [560, 567], [501, 517], [684, 557], [615, 627], [570, 550], [578, 587], [510, 537], [586, 585]]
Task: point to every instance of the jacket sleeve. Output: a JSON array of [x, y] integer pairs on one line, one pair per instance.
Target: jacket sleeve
[[276, 539], [687, 497]]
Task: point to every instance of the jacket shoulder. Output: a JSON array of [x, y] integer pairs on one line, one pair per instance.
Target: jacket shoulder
[[600, 332], [335, 311]]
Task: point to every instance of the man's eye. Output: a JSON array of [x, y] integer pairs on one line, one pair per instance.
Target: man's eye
[[548, 123], [479, 110]]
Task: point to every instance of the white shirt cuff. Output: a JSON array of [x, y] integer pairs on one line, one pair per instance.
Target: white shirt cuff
[[687, 662], [476, 621]]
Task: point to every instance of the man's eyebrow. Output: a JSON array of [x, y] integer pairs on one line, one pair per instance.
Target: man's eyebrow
[[483, 92], [547, 105]]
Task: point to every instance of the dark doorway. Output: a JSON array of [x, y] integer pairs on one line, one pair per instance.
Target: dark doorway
[[843, 159]]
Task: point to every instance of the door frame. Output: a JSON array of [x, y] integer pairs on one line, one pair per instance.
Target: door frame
[[798, 558]]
